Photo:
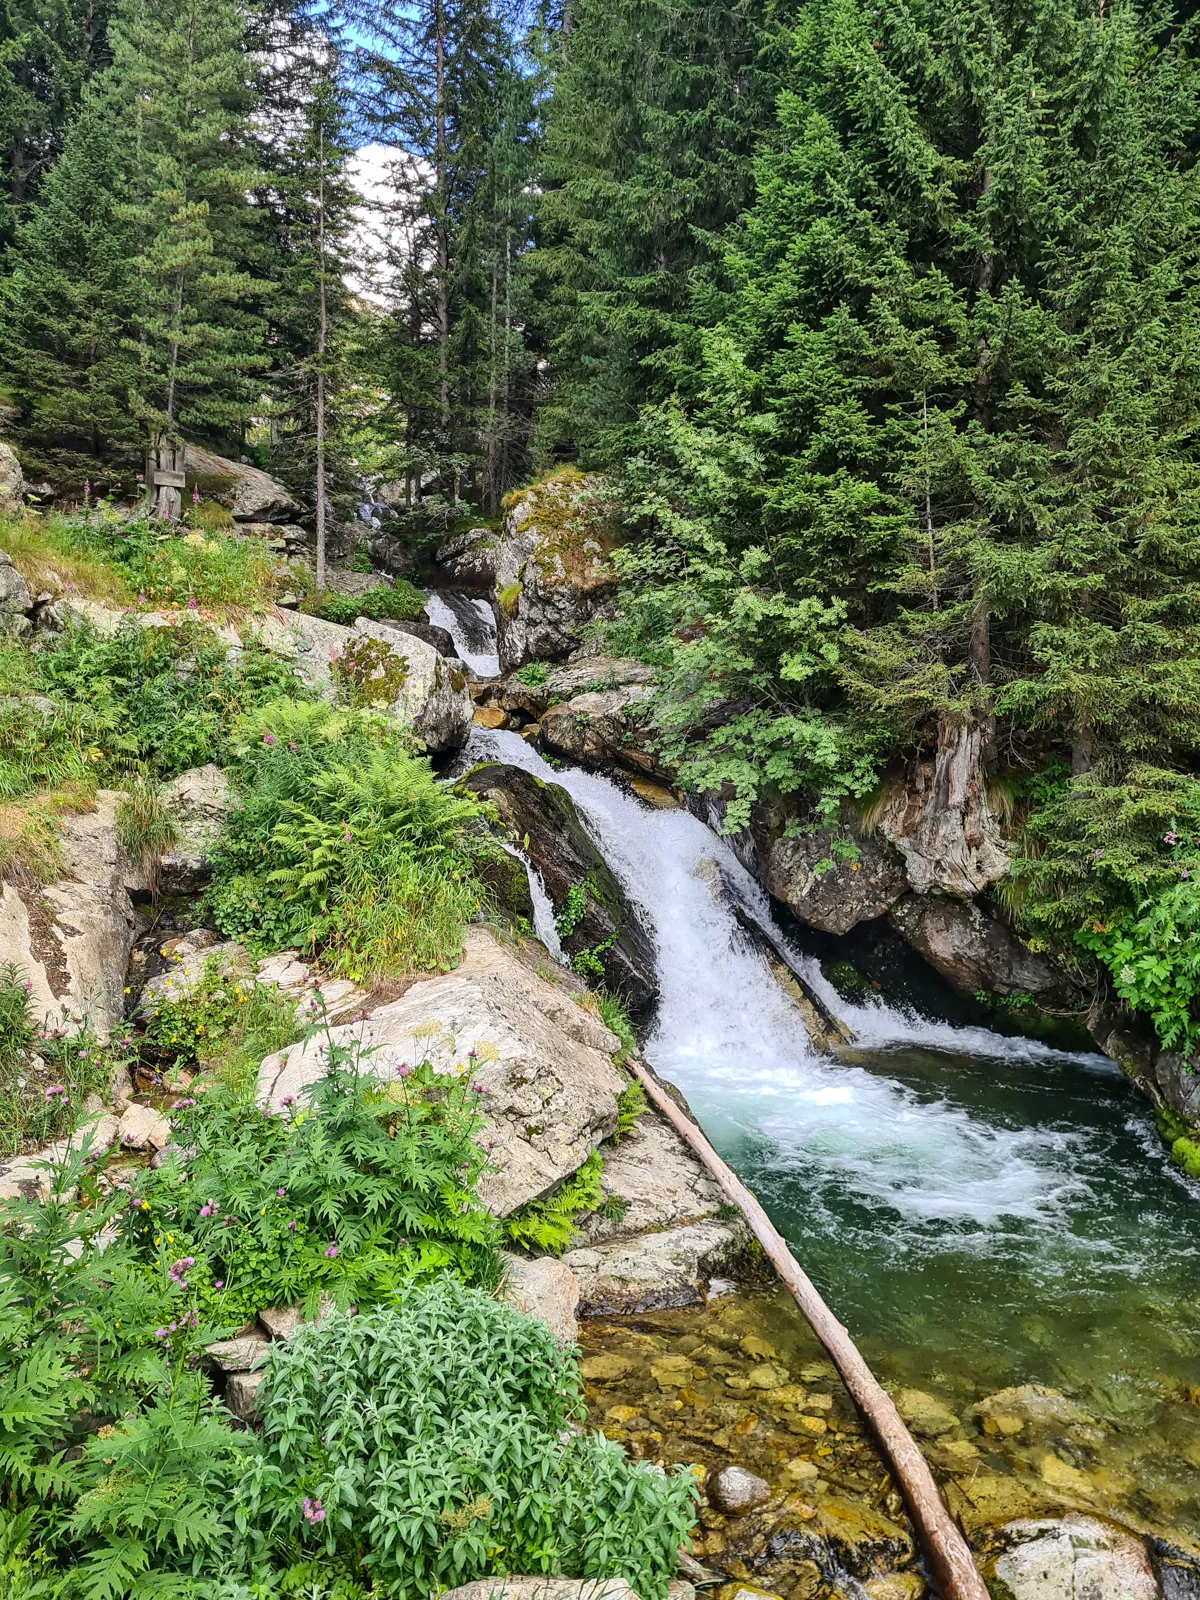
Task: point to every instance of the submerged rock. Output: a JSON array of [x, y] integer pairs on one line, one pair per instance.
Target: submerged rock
[[734, 1491], [1008, 1411], [925, 1414], [552, 567], [542, 1060], [1073, 1558], [543, 822]]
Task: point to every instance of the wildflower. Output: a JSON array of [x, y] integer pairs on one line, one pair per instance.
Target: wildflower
[[346, 835], [1183, 873], [83, 1055], [220, 1283], [292, 1226], [403, 1070], [314, 1511], [195, 497], [281, 1193], [209, 1209], [54, 1092], [268, 738], [1099, 853], [141, 599], [288, 1100], [292, 746], [1169, 837], [331, 1251], [160, 1333], [193, 603]]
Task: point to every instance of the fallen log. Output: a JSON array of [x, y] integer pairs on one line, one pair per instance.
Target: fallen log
[[946, 1550]]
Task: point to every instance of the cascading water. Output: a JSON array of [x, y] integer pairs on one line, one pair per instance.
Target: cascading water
[[471, 623], [980, 1210]]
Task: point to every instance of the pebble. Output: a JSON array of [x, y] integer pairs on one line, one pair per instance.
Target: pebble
[[735, 1491]]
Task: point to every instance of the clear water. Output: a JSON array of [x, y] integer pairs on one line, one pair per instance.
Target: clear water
[[471, 623], [980, 1211]]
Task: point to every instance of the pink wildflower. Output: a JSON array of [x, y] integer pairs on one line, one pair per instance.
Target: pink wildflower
[[331, 1251], [314, 1511], [268, 738]]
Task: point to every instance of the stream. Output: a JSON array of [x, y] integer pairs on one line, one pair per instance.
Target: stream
[[981, 1211]]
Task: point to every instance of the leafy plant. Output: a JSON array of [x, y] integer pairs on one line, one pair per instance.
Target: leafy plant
[[631, 1104], [615, 1016], [447, 1416], [398, 601], [369, 672], [147, 828], [549, 1223], [17, 1024], [42, 1092], [573, 911], [533, 674]]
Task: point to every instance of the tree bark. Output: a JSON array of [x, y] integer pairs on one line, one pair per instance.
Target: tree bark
[[443, 235], [945, 1548], [322, 333]]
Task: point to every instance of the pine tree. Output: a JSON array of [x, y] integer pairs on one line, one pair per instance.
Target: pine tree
[[649, 135], [70, 299], [178, 86], [951, 406]]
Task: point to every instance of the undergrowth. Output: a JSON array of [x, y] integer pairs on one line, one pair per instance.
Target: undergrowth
[[397, 601]]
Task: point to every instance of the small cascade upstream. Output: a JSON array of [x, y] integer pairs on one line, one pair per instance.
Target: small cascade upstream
[[470, 622], [980, 1210]]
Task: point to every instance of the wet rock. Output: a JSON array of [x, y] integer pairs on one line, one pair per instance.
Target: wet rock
[[143, 1128], [251, 495], [813, 882], [746, 1591], [895, 1586], [602, 729], [605, 1369], [579, 675], [12, 481], [1073, 1558], [734, 1491], [543, 1588], [552, 567], [241, 1394], [546, 1289], [974, 952], [542, 820], [469, 559], [1163, 1076], [1030, 1404], [866, 1543], [71, 939], [428, 632], [925, 1414], [201, 800], [655, 1177], [550, 1089], [664, 1269], [799, 1470]]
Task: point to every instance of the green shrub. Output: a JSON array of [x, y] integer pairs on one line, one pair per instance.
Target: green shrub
[[615, 1017], [345, 841], [42, 1092], [367, 1188], [17, 1024], [431, 1442], [223, 1023], [147, 828], [533, 674], [398, 601]]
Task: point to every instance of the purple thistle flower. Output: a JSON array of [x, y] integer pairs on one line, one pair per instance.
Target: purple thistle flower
[[160, 1333], [292, 746], [314, 1511], [292, 1226], [193, 603], [280, 1193], [55, 1092], [220, 1283], [268, 738], [288, 1100], [331, 1251]]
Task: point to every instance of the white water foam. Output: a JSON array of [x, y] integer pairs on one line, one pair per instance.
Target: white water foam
[[471, 623], [726, 1034]]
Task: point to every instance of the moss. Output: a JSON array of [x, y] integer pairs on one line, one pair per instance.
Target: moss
[[370, 673], [1182, 1138], [574, 537], [1185, 1153], [508, 597]]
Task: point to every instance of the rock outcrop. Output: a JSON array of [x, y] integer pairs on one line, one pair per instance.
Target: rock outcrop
[[542, 821], [543, 1288], [251, 495], [655, 1270], [200, 800], [602, 729], [16, 602], [1163, 1076], [72, 938], [800, 866], [12, 481], [1073, 1558], [652, 1181], [974, 952], [469, 560], [543, 1062], [581, 674], [552, 567]]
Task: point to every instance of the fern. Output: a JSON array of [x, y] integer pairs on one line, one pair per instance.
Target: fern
[[549, 1223]]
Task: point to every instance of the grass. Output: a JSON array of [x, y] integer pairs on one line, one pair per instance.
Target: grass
[[48, 556], [397, 602], [44, 1083], [30, 853], [146, 827]]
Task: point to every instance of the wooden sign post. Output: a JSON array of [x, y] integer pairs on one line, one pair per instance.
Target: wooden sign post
[[165, 477]]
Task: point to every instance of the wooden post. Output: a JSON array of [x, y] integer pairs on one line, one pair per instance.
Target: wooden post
[[945, 1548], [165, 478]]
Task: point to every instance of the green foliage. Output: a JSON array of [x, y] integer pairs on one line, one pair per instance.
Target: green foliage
[[397, 601], [17, 1023], [367, 1188], [615, 1016], [447, 1417], [533, 674], [42, 1091], [346, 841], [574, 908], [631, 1103], [147, 827], [221, 1021], [158, 700], [549, 1223]]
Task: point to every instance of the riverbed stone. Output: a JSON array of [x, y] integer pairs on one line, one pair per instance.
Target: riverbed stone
[[734, 1491], [143, 1128], [605, 1368], [546, 1289], [660, 1270], [1074, 1558], [542, 1061], [188, 970], [926, 1415], [866, 1542], [1009, 1411]]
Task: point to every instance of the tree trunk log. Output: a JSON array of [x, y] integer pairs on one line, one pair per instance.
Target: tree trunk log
[[945, 1548]]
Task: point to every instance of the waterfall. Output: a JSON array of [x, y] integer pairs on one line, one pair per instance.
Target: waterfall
[[471, 623]]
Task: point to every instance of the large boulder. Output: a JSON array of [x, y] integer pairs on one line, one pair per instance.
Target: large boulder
[[580, 675], [12, 481], [602, 729], [656, 1270], [543, 822], [974, 952], [15, 599], [1163, 1076], [543, 1062], [543, 1288], [552, 566], [1073, 1558], [651, 1181], [800, 866], [251, 495], [469, 559], [200, 800], [72, 938]]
